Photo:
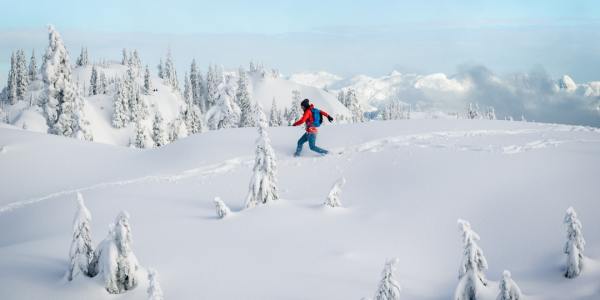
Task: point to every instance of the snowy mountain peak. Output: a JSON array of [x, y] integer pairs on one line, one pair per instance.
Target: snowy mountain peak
[[567, 83]]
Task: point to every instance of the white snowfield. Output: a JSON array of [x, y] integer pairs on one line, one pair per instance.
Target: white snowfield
[[407, 183]]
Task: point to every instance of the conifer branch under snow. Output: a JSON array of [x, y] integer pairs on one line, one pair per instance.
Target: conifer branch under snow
[[114, 259], [575, 244], [263, 184], [154, 290], [333, 199], [471, 276], [82, 251], [509, 290], [222, 209], [389, 288]]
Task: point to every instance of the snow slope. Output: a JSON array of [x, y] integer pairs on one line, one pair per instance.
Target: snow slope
[[265, 89], [407, 184]]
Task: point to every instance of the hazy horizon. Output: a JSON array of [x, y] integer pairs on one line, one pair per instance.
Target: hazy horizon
[[362, 37]]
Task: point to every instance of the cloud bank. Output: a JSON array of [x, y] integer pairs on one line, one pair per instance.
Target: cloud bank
[[534, 94]]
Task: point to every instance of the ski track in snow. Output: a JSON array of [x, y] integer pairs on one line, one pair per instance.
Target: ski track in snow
[[205, 171], [423, 140], [429, 140]]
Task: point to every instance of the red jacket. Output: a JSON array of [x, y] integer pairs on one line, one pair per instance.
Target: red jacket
[[308, 118]]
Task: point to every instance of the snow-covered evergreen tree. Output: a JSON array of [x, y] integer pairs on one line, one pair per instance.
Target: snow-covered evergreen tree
[[263, 184], [154, 290], [395, 110], [135, 62], [94, 81], [470, 274], [138, 108], [473, 111], [192, 117], [248, 113], [32, 67], [11, 85], [197, 85], [275, 115], [295, 111], [81, 252], [124, 57], [147, 82], [333, 198], [142, 138], [225, 113], [575, 244], [212, 87], [509, 290], [490, 114], [341, 97], [161, 69], [389, 288], [21, 73], [114, 259], [222, 209], [102, 84], [158, 131], [169, 73], [187, 89], [120, 116], [354, 106], [177, 130], [82, 60], [63, 106]]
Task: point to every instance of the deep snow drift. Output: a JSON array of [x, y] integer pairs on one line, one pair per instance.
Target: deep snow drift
[[407, 183]]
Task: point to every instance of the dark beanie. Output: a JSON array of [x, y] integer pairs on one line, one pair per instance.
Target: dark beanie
[[305, 103]]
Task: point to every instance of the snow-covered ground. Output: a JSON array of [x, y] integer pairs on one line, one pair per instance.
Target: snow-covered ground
[[407, 184]]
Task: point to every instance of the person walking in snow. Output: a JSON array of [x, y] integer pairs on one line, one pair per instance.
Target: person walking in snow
[[313, 118]]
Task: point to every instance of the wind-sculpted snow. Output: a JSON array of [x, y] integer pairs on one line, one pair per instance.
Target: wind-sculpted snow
[[407, 182]]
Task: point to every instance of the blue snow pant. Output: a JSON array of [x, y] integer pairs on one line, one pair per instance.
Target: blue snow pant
[[311, 138]]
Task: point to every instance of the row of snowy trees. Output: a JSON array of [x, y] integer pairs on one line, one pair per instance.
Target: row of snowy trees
[[98, 82], [60, 100], [19, 76], [113, 259], [214, 100], [473, 112], [128, 104], [471, 275], [395, 110]]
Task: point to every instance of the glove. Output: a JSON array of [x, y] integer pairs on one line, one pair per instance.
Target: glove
[[330, 118]]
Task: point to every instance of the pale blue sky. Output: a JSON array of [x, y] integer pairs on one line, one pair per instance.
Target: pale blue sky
[[344, 37], [280, 16]]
